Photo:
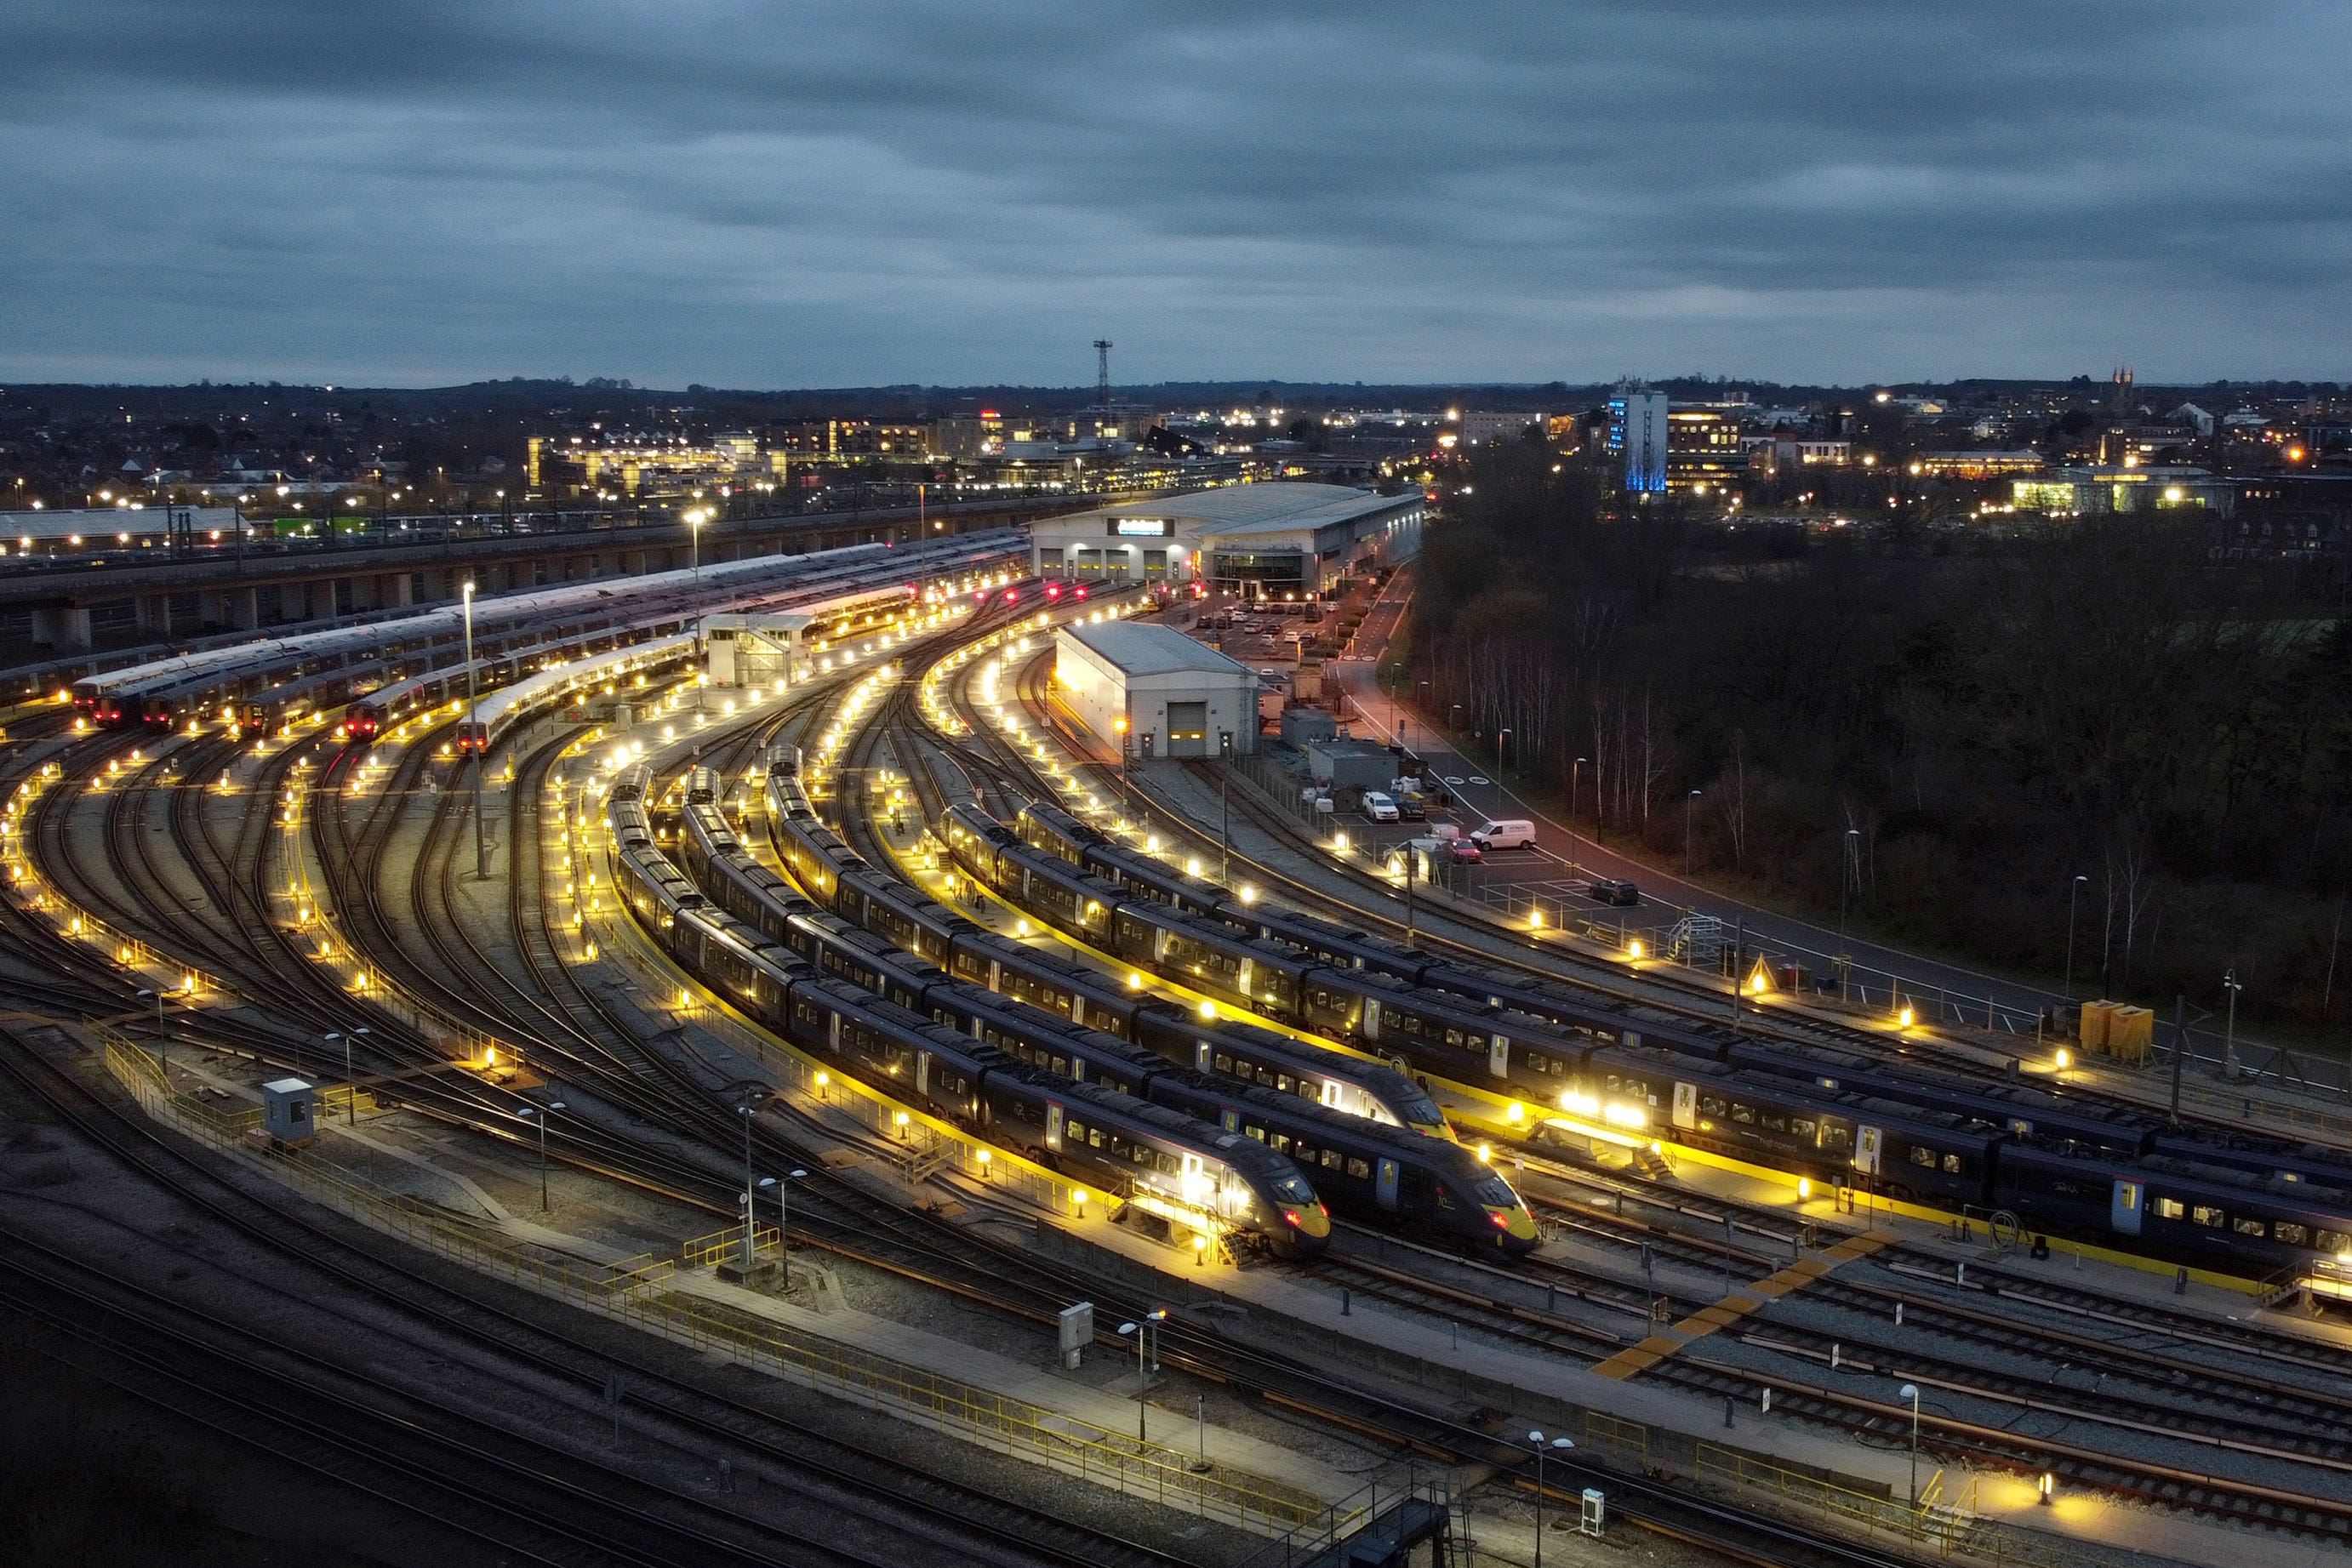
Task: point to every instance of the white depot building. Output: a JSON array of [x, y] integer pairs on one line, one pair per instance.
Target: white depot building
[[1175, 696], [1271, 540]]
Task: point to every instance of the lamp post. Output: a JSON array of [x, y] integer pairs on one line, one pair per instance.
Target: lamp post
[[1141, 1329], [1689, 800], [694, 520], [2073, 893], [783, 1209], [1911, 1391], [162, 1040], [480, 741], [1500, 735], [533, 1113], [1125, 749], [1535, 1441], [1575, 790], [2229, 1033], [748, 1111], [1225, 809]]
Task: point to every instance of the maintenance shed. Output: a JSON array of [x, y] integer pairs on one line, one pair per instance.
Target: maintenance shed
[[1273, 541], [1175, 697]]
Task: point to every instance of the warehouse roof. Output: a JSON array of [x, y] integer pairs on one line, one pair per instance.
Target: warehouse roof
[[1148, 648], [1275, 507]]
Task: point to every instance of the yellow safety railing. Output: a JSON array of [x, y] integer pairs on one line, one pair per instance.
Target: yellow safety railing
[[1918, 1521], [638, 1292], [726, 1245]]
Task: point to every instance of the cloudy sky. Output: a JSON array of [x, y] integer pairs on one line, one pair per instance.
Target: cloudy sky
[[969, 191]]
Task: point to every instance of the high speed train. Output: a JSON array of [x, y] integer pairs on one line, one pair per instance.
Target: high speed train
[[1146, 1153], [2076, 1168], [1335, 1114]]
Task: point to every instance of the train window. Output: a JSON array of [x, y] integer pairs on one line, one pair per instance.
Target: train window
[[1281, 1141], [1801, 1130], [2205, 1214], [1952, 1164], [2246, 1227], [1534, 1061], [1744, 1114], [1307, 1091], [1614, 1083], [2334, 1241], [2170, 1208], [1775, 1123], [1711, 1104], [1361, 1169], [1332, 1159], [1224, 1062], [1282, 1081], [2292, 1234], [1454, 1036], [1923, 1155]]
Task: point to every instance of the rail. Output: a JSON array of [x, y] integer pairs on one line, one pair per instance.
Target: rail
[[639, 1291]]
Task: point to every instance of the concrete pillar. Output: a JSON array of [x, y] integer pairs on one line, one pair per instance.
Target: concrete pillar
[[399, 590], [236, 608], [64, 627]]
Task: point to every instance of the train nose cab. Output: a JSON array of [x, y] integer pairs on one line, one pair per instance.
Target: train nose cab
[[1515, 1228], [1304, 1225]]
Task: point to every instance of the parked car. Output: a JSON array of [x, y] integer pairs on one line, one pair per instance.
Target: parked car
[[1506, 833], [1411, 807], [1380, 808], [1611, 890]]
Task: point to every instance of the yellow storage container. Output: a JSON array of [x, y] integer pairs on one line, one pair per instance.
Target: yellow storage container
[[2093, 1033], [2130, 1033]]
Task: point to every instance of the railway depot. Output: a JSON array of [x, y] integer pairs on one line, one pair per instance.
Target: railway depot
[[1277, 540]]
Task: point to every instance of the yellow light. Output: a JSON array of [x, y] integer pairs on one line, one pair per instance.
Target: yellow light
[[1804, 1186], [823, 1079], [1904, 1017], [2065, 1060], [1535, 919], [1486, 1154], [1078, 1197], [1517, 1113], [1134, 981], [1634, 949]]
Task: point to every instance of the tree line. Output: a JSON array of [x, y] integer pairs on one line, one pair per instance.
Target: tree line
[[1940, 728]]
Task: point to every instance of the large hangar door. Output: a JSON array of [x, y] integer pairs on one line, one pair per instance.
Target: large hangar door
[[1188, 729]]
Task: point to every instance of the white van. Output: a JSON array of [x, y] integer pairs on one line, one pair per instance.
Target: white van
[[1378, 808], [1505, 833]]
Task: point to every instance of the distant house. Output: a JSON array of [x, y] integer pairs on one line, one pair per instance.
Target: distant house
[[2188, 414]]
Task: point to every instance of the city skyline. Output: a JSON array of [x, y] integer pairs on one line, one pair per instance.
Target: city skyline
[[1827, 193]]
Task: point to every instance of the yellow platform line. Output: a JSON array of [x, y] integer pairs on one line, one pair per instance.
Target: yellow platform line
[[1637, 1359]]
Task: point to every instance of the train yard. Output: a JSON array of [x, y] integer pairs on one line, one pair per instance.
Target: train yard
[[671, 1051]]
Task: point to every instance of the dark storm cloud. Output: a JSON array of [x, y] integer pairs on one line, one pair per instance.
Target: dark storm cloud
[[769, 194]]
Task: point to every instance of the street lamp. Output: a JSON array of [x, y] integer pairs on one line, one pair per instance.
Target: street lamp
[[350, 1089], [694, 520], [1575, 783], [162, 1040], [1535, 1441], [749, 1110], [1499, 736], [2074, 892], [1141, 1330], [1849, 868], [1911, 1391], [481, 745], [2230, 1030], [1688, 801], [784, 1207], [533, 1113]]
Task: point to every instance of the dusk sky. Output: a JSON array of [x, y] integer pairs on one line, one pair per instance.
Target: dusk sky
[[851, 194]]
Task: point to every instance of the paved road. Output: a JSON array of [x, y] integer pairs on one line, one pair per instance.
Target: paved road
[[1564, 862]]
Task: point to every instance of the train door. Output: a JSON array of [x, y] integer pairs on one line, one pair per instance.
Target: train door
[[1498, 1055], [1385, 1186], [1686, 1106], [1197, 1189], [2123, 1208], [1372, 1018], [1332, 1090], [1053, 1126], [923, 1073], [1200, 1055], [1230, 1120], [1867, 1142]]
